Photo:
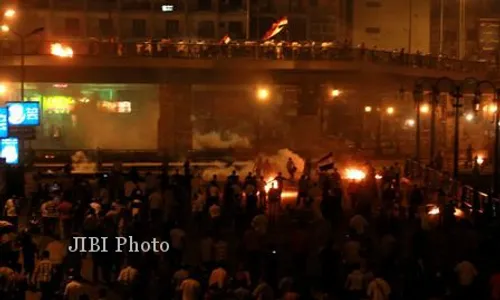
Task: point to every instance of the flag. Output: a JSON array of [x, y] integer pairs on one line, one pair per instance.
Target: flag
[[276, 28], [326, 162], [225, 40]]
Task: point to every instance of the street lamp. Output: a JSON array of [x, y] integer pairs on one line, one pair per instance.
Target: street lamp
[[9, 13], [424, 108], [469, 117], [410, 122], [390, 110], [262, 94], [22, 38], [417, 98], [3, 89], [335, 93], [368, 109]]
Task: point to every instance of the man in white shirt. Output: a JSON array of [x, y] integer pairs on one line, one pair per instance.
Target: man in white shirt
[[378, 289], [50, 215]]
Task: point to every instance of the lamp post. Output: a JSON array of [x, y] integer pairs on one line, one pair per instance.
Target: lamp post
[[417, 98], [22, 39], [496, 149], [331, 94], [456, 93], [262, 95]]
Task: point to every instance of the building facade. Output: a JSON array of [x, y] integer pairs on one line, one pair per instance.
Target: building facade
[[392, 24], [183, 19]]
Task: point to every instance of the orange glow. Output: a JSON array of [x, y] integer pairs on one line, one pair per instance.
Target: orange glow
[[60, 50], [492, 108], [9, 13], [354, 174], [270, 183], [434, 211], [458, 213], [425, 108]]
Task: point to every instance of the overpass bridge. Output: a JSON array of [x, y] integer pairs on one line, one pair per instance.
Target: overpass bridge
[[228, 64], [175, 68]]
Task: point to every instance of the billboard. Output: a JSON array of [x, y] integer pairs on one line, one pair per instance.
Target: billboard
[[9, 150], [23, 113], [4, 126]]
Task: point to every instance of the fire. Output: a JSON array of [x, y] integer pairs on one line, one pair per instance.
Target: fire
[[270, 183], [434, 211], [60, 50], [355, 174]]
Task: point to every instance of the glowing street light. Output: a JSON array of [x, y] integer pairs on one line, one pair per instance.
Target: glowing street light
[[410, 122], [9, 13], [3, 88], [60, 50], [335, 93], [469, 117], [5, 28], [390, 110], [425, 108], [368, 109], [479, 160], [492, 108], [262, 94]]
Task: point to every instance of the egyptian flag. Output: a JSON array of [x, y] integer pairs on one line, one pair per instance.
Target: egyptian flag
[[276, 28], [225, 40], [326, 162]]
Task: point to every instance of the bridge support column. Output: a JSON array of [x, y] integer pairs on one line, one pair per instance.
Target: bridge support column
[[306, 127], [175, 129]]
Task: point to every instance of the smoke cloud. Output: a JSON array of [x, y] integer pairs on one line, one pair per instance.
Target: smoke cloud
[[82, 164], [217, 140], [277, 162]]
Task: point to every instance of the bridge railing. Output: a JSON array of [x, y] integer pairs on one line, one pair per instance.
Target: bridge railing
[[255, 51], [465, 195]]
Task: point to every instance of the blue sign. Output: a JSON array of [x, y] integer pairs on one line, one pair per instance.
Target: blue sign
[[4, 126], [23, 113], [9, 150]]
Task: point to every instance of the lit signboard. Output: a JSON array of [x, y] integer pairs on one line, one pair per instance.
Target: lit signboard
[[4, 126], [167, 8], [23, 113], [9, 150]]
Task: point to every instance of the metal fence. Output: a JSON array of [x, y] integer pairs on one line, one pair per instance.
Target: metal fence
[[466, 196], [247, 50]]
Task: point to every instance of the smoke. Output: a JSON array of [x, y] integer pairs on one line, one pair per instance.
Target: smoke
[[80, 163], [278, 164], [136, 130], [217, 140]]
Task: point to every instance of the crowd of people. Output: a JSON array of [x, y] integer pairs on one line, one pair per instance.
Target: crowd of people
[[238, 238]]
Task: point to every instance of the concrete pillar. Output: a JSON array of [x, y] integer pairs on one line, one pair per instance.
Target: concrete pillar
[[175, 129], [306, 127]]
